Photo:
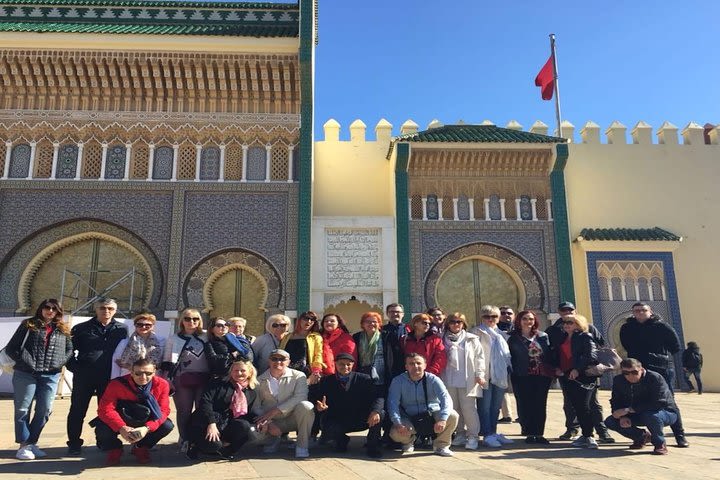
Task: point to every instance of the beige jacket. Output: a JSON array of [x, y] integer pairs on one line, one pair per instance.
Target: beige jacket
[[293, 390]]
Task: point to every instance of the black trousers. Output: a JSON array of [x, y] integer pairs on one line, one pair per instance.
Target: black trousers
[[236, 433], [580, 397], [531, 393], [85, 385], [336, 429], [596, 411], [107, 439]]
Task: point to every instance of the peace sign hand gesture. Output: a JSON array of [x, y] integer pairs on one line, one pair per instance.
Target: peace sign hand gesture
[[321, 405]]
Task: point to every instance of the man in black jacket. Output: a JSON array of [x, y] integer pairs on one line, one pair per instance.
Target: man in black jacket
[[350, 402], [557, 336], [641, 397], [94, 342], [645, 337]]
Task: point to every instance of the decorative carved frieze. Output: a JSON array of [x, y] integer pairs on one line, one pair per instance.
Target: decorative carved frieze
[[353, 258]]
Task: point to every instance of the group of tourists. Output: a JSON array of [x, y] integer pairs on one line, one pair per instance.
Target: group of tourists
[[433, 382]]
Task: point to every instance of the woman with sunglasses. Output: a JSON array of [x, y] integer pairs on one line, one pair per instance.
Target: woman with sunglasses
[[185, 365], [305, 346], [224, 348], [497, 376], [223, 422], [143, 343], [464, 377], [532, 373], [276, 327], [40, 347], [574, 356], [421, 340]]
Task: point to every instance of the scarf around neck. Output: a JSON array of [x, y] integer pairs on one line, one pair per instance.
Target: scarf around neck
[[148, 399], [368, 348], [499, 357], [138, 347], [238, 403], [452, 344]]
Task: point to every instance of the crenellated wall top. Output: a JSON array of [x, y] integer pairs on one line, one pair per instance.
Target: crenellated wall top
[[616, 133]]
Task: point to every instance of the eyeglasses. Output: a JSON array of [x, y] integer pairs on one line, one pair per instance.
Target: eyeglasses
[[427, 324], [506, 313], [438, 314], [50, 307], [278, 325], [191, 319], [454, 322], [569, 322], [277, 359], [221, 325], [491, 316], [567, 309], [105, 308], [630, 372], [143, 325], [395, 312], [309, 320], [143, 374]]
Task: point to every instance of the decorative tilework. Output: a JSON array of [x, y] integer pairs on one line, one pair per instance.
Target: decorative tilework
[[67, 161], [532, 282], [115, 162], [163, 163], [607, 313], [19, 161], [531, 242], [195, 283], [210, 163]]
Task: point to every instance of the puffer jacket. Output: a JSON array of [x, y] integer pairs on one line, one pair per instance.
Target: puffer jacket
[[653, 342], [43, 352]]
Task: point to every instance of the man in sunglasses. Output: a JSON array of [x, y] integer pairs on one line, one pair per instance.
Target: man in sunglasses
[[94, 342], [641, 397], [282, 404], [134, 407]]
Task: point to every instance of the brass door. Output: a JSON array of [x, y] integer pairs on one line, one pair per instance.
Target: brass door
[[240, 293]]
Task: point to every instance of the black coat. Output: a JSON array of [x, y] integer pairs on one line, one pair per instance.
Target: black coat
[[653, 342], [95, 346], [584, 354], [219, 354], [394, 364], [519, 352], [40, 354], [649, 394], [692, 359], [215, 405], [557, 334], [355, 403]]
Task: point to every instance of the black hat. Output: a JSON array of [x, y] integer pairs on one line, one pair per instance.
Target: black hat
[[566, 305], [344, 356]]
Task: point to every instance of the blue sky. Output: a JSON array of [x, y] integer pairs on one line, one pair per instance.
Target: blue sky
[[473, 60]]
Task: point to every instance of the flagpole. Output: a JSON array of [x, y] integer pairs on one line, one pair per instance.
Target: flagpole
[[557, 86]]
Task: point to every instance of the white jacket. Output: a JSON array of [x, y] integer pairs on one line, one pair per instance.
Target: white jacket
[[475, 365]]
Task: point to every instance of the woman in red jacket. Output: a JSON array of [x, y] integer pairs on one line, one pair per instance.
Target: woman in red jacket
[[421, 340], [336, 336]]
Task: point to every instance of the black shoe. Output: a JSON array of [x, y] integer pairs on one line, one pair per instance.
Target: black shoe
[[505, 420], [542, 440], [227, 453], [391, 445], [682, 441], [192, 453], [570, 434], [531, 439], [374, 453], [605, 437], [74, 450]]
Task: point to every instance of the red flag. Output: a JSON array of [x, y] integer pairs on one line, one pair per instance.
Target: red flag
[[546, 79]]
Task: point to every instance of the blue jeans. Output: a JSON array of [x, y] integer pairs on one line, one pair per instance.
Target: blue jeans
[[654, 420], [488, 407], [27, 387]]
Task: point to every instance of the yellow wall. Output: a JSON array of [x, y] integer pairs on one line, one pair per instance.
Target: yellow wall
[[670, 186], [353, 178]]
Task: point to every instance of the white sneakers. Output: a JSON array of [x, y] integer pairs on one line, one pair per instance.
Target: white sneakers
[[25, 453], [503, 439], [408, 448], [491, 441], [444, 452], [585, 442]]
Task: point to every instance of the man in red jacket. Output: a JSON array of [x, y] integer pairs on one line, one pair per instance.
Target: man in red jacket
[[135, 407]]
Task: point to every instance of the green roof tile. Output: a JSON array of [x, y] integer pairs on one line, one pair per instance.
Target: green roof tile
[[255, 19], [628, 234], [477, 134]]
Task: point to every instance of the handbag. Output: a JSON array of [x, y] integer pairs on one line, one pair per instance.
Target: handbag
[[424, 423], [7, 364], [608, 360]]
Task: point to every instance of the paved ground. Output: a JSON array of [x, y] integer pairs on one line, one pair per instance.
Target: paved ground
[[558, 460]]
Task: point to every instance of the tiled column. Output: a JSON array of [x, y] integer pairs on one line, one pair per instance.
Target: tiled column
[[56, 152], [103, 161]]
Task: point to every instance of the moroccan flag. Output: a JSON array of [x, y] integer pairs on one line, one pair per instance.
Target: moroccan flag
[[546, 79]]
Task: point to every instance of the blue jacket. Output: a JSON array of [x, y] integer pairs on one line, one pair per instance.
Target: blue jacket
[[407, 398]]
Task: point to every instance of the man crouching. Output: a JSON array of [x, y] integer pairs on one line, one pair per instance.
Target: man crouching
[[136, 407]]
